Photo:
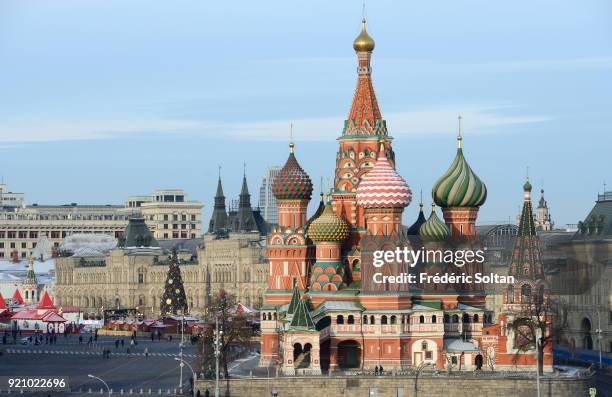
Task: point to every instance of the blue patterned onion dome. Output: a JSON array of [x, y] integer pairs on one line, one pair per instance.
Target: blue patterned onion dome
[[434, 229], [328, 227], [459, 186], [292, 182]]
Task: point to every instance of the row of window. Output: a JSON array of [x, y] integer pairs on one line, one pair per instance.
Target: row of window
[[176, 226], [175, 217], [179, 235]]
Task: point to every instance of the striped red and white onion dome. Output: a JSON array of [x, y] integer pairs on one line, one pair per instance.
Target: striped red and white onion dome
[[383, 187]]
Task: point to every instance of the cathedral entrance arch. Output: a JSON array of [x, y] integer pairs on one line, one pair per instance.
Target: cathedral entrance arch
[[349, 354], [478, 361], [585, 327]]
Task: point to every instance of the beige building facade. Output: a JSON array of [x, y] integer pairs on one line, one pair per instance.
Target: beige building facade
[[133, 277], [236, 264], [166, 212]]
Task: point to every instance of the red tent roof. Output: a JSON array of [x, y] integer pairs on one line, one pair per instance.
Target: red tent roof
[[53, 317], [29, 314], [17, 299], [45, 302], [2, 302]]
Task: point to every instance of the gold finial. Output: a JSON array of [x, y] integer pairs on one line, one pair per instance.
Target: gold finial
[[433, 208], [321, 194], [459, 137], [421, 203], [381, 145], [291, 144]]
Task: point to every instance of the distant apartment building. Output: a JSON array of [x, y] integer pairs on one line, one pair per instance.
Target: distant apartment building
[[267, 201], [168, 214], [10, 199], [21, 226]]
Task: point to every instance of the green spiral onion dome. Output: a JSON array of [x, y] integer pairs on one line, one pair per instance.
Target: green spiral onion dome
[[292, 182], [328, 227], [527, 186], [459, 186], [434, 229]]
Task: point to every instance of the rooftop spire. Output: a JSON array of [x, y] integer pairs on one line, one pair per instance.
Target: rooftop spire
[[459, 137], [291, 144], [364, 116]]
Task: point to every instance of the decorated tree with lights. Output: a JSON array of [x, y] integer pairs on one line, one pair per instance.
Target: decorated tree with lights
[[174, 300]]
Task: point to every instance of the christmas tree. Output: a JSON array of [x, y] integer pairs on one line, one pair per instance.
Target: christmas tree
[[174, 300]]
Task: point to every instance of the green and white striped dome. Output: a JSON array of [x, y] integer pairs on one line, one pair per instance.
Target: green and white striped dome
[[434, 229], [459, 186]]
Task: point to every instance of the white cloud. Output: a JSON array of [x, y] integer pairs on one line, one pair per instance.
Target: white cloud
[[419, 122]]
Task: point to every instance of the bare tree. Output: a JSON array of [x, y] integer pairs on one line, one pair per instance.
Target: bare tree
[[236, 335], [545, 316]]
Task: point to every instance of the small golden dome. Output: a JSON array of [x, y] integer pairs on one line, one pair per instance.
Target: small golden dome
[[363, 42]]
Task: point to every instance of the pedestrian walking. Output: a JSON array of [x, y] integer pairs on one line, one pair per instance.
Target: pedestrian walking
[[122, 342], [116, 344], [80, 339], [376, 370], [146, 352], [152, 336], [206, 393]]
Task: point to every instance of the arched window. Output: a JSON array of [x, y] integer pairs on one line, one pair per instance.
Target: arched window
[[351, 319], [455, 318], [423, 345], [525, 293], [372, 320], [365, 319], [446, 318], [340, 319], [393, 320], [510, 294], [422, 319], [383, 320], [476, 319], [434, 319], [466, 318]]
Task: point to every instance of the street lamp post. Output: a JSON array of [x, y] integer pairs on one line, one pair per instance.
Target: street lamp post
[[181, 351], [101, 380], [182, 363], [599, 337], [217, 346]]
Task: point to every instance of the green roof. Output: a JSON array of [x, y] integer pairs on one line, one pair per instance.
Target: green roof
[[301, 318], [433, 304], [295, 299]]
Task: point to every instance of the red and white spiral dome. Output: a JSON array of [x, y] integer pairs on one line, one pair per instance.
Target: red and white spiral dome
[[383, 187]]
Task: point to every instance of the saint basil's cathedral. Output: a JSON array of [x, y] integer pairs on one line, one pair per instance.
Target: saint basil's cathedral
[[321, 311]]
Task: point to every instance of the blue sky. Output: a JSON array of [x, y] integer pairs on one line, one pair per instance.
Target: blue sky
[[105, 99]]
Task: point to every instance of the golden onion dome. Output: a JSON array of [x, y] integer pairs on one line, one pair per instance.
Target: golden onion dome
[[363, 42], [328, 227]]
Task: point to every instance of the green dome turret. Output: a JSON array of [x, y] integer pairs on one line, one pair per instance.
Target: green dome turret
[[434, 229], [459, 186], [328, 227]]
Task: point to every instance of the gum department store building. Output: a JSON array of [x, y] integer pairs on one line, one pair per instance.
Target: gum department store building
[[320, 311]]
